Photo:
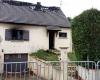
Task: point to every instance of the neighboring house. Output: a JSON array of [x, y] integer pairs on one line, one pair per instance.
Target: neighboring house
[[27, 27]]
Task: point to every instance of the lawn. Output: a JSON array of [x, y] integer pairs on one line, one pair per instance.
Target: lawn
[[45, 55]]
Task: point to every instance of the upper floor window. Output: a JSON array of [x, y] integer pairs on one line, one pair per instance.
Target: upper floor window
[[62, 34], [13, 34]]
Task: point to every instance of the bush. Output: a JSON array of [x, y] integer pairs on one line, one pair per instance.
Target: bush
[[86, 35], [73, 57]]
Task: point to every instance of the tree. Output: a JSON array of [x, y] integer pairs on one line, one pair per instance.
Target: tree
[[86, 35]]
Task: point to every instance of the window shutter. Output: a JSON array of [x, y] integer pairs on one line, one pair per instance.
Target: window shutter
[[26, 35], [8, 34]]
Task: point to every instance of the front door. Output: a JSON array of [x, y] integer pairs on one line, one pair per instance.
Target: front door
[[51, 39]]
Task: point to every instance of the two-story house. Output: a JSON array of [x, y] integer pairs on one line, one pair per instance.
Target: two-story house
[[27, 27]]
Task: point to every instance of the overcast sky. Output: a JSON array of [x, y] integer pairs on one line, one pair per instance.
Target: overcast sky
[[71, 8]]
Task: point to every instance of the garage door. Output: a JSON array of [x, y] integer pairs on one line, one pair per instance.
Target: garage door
[[11, 64]]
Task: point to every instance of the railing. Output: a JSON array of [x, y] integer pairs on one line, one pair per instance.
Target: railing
[[81, 70], [50, 70]]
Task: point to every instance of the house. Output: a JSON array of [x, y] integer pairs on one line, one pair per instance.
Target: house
[[27, 27]]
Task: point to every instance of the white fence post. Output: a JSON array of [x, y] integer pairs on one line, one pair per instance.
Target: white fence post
[[64, 60]]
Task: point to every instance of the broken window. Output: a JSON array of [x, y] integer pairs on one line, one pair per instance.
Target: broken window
[[13, 34]]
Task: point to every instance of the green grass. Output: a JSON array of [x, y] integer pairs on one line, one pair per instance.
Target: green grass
[[45, 55], [72, 56]]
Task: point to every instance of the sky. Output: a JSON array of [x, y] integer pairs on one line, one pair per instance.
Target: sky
[[71, 8]]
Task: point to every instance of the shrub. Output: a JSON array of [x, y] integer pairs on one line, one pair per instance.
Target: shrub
[[45, 55], [86, 35]]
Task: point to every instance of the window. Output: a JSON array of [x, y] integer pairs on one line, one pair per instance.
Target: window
[[62, 34], [19, 55], [7, 56], [13, 34], [17, 34]]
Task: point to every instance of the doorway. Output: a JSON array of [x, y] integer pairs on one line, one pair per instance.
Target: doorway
[[51, 39]]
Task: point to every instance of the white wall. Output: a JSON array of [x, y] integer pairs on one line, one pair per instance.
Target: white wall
[[38, 39], [64, 42]]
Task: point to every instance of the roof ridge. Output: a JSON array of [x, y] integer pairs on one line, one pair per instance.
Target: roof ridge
[[18, 3], [37, 7]]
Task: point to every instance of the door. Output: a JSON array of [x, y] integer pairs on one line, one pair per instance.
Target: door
[[11, 62], [51, 39]]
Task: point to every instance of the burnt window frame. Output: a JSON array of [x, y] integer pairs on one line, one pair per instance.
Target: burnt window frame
[[62, 34], [13, 35]]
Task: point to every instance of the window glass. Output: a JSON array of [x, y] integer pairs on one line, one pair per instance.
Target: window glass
[[6, 56], [62, 34], [17, 34], [13, 34], [19, 55]]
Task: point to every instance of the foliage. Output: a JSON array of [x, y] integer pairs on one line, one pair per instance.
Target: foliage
[[86, 35], [72, 56], [87, 65], [45, 55]]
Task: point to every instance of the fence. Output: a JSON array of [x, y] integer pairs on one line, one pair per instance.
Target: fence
[[50, 70]]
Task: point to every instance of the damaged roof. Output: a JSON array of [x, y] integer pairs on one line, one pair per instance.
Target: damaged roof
[[28, 13]]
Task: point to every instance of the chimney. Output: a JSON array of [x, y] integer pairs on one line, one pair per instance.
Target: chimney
[[38, 6], [38, 3]]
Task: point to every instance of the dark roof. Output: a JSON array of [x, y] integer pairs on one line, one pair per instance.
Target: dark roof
[[28, 13]]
